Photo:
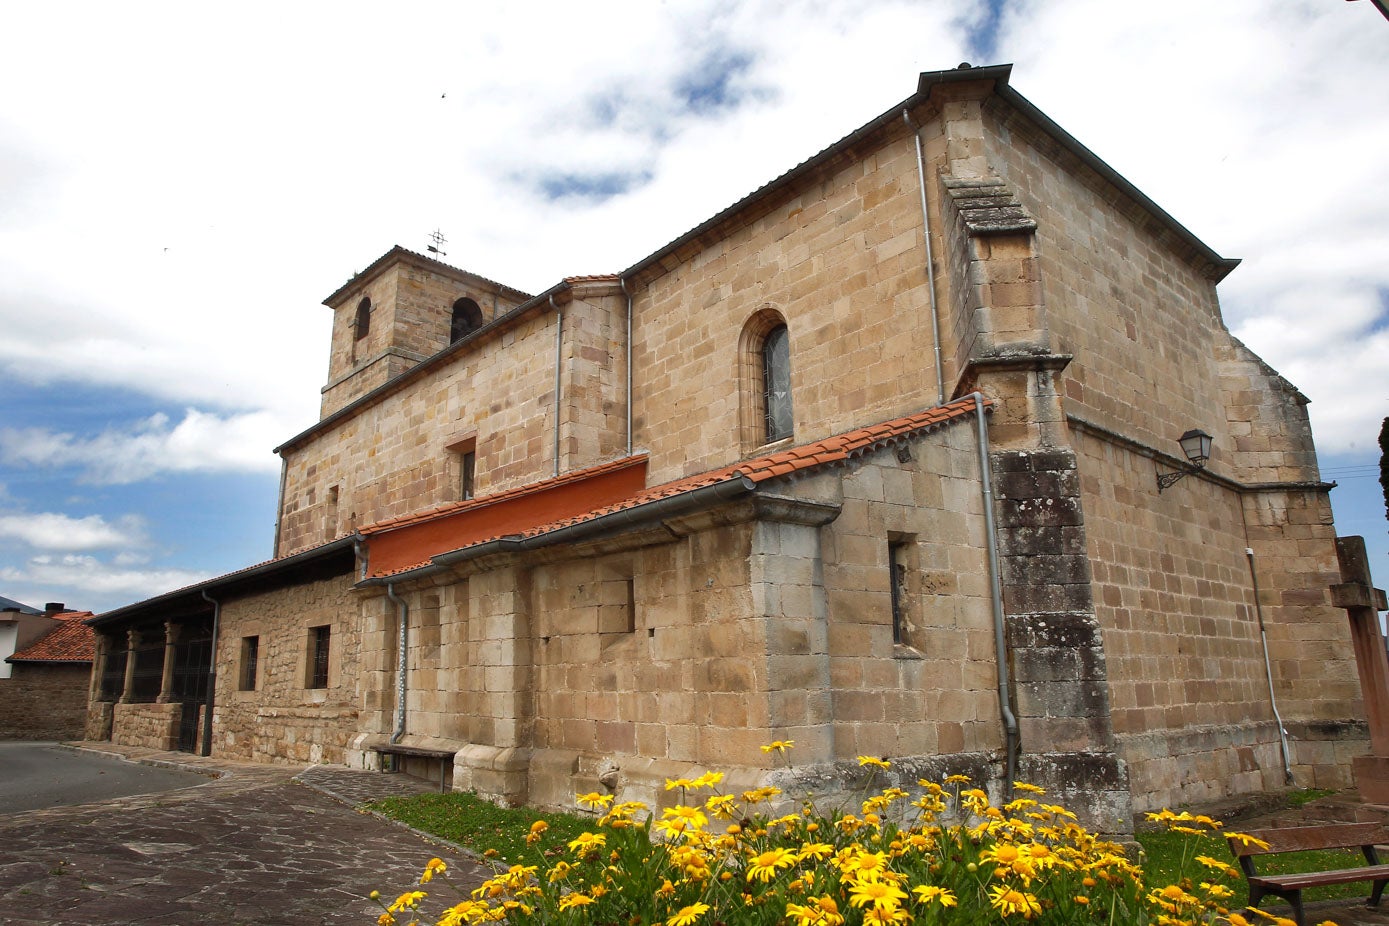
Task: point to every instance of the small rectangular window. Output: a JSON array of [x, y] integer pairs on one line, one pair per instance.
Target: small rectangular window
[[330, 514], [463, 448], [897, 578], [319, 639], [250, 662], [467, 468]]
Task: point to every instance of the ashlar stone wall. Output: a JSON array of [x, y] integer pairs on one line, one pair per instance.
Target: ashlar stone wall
[[841, 259], [690, 644], [283, 719], [395, 458], [1174, 593], [936, 691]]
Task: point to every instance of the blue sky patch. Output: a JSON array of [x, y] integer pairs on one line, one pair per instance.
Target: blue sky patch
[[712, 85], [592, 188], [981, 36]]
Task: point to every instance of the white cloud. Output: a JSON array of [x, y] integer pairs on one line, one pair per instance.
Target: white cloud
[[50, 531], [96, 581], [1252, 124], [201, 442]]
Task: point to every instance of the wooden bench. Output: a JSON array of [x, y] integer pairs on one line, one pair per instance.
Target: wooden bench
[[1362, 836], [445, 757]]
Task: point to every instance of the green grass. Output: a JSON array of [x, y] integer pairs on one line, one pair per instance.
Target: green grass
[[481, 826], [1307, 796], [1164, 853]]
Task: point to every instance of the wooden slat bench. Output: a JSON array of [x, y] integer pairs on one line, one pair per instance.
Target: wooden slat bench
[[1362, 836], [445, 757]]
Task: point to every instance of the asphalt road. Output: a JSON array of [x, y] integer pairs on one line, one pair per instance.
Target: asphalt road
[[34, 776]]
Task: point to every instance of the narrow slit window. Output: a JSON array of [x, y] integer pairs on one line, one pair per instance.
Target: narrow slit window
[[467, 470], [463, 464], [361, 324], [897, 576]]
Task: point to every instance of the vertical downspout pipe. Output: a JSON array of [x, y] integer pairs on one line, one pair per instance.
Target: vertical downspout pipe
[[402, 618], [1268, 670], [360, 554], [930, 261], [1005, 706], [211, 676], [559, 345], [623, 283]]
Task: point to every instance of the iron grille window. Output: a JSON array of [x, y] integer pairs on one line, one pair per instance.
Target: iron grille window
[[113, 675], [192, 662], [250, 657], [148, 676], [318, 656]]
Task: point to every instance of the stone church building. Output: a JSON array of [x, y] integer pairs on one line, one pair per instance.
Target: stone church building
[[870, 460]]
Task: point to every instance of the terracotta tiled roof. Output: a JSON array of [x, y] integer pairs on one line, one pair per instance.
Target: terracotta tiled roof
[[797, 460], [70, 641]]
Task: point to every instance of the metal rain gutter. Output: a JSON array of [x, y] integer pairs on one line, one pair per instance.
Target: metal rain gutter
[[1005, 707], [402, 639], [230, 580], [930, 261], [559, 356], [623, 283], [1268, 671]]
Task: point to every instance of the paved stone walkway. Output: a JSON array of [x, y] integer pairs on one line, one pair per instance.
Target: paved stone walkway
[[253, 846]]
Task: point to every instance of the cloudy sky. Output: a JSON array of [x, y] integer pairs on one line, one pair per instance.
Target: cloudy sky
[[181, 184]]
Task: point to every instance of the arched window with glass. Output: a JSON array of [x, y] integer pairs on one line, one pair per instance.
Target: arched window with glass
[[776, 384]]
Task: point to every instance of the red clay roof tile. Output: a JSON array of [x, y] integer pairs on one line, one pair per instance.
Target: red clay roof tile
[[839, 448], [70, 641]]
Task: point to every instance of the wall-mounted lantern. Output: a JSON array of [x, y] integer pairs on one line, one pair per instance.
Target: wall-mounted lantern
[[1196, 444]]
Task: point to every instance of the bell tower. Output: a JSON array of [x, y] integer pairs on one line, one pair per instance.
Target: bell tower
[[401, 310]]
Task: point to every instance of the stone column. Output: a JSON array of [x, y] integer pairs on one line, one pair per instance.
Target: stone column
[[101, 653], [128, 688], [166, 683], [1362, 603]]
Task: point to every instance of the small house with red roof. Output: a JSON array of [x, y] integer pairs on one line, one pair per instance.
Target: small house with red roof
[[44, 681], [935, 448]]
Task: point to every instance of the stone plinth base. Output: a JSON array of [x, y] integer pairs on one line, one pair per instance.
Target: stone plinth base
[[1372, 778]]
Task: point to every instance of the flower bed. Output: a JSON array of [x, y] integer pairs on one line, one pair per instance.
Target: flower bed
[[945, 854]]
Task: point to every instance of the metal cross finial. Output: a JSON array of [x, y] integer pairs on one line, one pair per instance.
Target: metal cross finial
[[438, 246]]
